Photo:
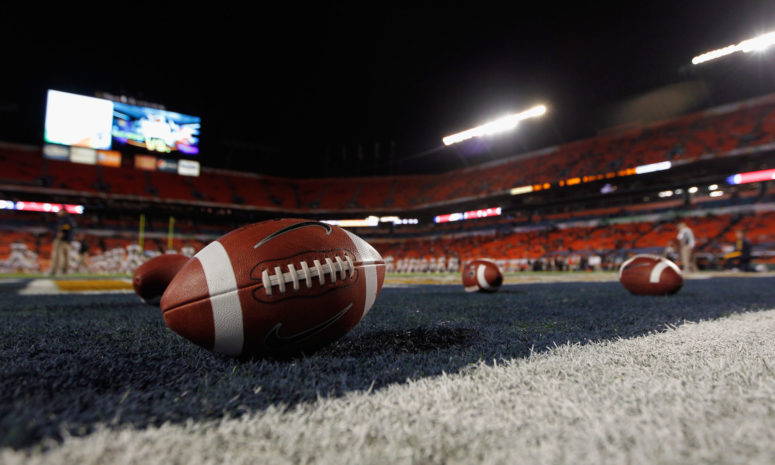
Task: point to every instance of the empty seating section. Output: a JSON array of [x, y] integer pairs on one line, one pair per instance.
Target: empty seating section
[[14, 237], [20, 166], [310, 193], [758, 229], [440, 187], [280, 192], [41, 244], [72, 176], [658, 235], [124, 181], [709, 227], [170, 186], [767, 126], [407, 190], [377, 192], [249, 190], [339, 195], [215, 189], [715, 234], [687, 138], [261, 191], [711, 232]]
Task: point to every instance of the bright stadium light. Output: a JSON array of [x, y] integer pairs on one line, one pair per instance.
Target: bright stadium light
[[397, 220], [499, 125], [752, 176], [469, 215], [521, 190], [643, 169], [41, 207], [757, 44], [369, 221]]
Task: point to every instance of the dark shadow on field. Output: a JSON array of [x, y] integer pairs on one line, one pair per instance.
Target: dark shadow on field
[[69, 363], [508, 290], [413, 341], [12, 285]]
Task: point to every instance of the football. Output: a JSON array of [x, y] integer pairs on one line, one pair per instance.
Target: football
[[650, 275], [482, 275], [151, 279], [276, 288]]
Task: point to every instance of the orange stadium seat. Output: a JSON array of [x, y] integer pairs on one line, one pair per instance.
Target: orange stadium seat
[[20, 166], [73, 176], [124, 181]]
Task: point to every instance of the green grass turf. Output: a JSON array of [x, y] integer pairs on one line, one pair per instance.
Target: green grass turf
[[69, 363]]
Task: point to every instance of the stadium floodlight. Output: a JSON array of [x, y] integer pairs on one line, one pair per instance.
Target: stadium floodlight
[[650, 168], [521, 190], [499, 125], [370, 221], [757, 44]]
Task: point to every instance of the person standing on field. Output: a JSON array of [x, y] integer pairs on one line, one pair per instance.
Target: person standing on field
[[60, 255], [686, 246]]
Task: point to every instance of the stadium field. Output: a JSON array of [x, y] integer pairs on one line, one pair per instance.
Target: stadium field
[[558, 368], [41, 283]]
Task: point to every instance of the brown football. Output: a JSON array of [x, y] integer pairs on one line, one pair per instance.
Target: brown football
[[274, 288], [482, 275], [645, 274], [151, 279]]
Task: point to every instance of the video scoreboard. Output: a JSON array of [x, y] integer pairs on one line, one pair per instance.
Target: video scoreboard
[[92, 130]]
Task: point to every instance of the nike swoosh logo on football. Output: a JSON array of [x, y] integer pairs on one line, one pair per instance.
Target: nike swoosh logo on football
[[293, 227], [274, 340]]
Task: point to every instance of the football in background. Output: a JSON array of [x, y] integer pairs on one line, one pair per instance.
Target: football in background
[[275, 288], [151, 279], [482, 275], [645, 274]]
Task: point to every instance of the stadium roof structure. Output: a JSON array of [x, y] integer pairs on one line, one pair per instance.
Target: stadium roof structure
[[335, 89]]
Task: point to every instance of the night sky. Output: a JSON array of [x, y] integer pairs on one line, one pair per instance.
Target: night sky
[[365, 89]]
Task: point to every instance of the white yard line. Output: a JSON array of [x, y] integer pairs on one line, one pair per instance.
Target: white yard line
[[49, 287], [40, 287]]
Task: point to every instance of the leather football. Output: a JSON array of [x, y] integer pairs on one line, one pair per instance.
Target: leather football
[[646, 274], [482, 275], [151, 279], [275, 288]]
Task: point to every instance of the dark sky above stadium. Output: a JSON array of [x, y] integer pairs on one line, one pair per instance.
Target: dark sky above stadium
[[336, 89]]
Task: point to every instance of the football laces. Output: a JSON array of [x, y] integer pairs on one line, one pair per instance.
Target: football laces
[[306, 273]]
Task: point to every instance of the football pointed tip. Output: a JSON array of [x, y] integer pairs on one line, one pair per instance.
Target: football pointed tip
[[188, 285]]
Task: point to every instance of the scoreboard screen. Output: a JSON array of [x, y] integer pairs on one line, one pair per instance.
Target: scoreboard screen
[[78, 120], [155, 130], [81, 121]]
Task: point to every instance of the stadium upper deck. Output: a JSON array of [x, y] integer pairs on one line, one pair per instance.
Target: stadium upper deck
[[741, 128]]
